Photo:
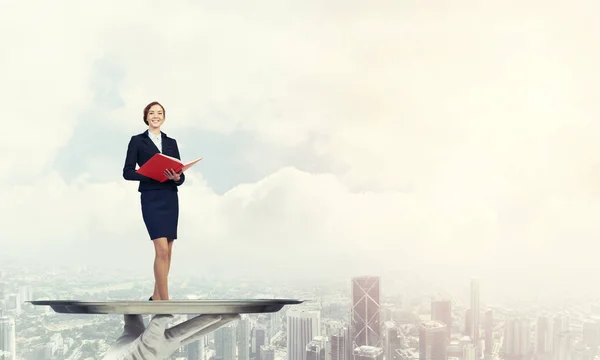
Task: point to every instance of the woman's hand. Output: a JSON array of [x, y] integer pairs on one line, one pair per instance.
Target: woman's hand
[[172, 175]]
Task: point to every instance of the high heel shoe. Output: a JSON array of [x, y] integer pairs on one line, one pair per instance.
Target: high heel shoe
[[150, 299]]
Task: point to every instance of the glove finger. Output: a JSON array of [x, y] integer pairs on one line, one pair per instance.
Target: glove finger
[[207, 330], [156, 328], [161, 320], [189, 327]]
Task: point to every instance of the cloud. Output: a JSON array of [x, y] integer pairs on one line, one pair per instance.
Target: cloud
[[288, 215], [294, 222], [44, 84], [467, 132]]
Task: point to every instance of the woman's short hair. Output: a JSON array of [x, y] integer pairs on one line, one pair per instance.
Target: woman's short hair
[[147, 108]]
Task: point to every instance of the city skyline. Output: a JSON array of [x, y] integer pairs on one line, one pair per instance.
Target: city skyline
[[411, 327]]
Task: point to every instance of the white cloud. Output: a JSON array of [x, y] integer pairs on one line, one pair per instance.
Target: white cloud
[[46, 67], [289, 219], [286, 219], [484, 115]]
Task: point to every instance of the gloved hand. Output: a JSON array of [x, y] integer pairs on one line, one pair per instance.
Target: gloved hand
[[157, 342]]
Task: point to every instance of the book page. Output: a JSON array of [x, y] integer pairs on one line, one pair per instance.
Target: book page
[[190, 164], [172, 158]]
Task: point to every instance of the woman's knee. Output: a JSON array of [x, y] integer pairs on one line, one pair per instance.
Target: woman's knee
[[162, 248]]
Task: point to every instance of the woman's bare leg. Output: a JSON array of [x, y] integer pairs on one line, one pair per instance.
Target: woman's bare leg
[[155, 295], [161, 269], [170, 253]]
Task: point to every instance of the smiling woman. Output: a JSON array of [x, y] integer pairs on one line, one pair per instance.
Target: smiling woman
[[159, 200]]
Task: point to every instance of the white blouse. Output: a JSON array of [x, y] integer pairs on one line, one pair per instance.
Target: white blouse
[[156, 139]]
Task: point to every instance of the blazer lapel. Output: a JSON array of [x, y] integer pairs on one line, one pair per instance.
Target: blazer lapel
[[150, 143], [166, 145]]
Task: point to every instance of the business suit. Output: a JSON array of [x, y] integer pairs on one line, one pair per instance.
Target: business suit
[[159, 201]]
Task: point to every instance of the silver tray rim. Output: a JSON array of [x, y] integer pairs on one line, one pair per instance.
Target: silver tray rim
[[200, 306]]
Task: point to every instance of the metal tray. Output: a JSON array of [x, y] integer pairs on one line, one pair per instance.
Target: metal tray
[[250, 306]]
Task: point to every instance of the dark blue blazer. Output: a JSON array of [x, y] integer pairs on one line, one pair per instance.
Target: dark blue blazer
[[141, 149]]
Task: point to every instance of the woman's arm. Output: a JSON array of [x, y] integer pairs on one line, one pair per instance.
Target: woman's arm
[[129, 172]]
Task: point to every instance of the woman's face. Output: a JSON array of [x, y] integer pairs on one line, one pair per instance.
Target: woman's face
[[155, 117]]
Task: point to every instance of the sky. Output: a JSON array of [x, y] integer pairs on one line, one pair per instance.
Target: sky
[[450, 139]]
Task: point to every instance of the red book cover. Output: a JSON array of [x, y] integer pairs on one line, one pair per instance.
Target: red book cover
[[157, 165]]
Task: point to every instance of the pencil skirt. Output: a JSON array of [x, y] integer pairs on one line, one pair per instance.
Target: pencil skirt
[[160, 211]]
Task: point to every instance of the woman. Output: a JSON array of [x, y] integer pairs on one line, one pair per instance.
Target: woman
[[159, 201]]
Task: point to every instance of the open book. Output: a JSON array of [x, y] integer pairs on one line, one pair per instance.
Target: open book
[[157, 165]]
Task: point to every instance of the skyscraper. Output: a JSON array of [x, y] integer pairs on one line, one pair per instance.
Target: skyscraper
[[489, 332], [7, 338], [543, 343], [258, 338], [563, 345], [317, 349], [391, 340], [243, 338], [366, 311], [475, 312], [340, 344], [274, 324], [432, 341], [302, 327], [560, 325], [267, 352], [441, 310], [591, 333], [195, 350], [468, 323], [225, 342], [516, 338]]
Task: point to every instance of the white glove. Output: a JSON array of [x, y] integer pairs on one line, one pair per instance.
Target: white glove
[[157, 342]]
